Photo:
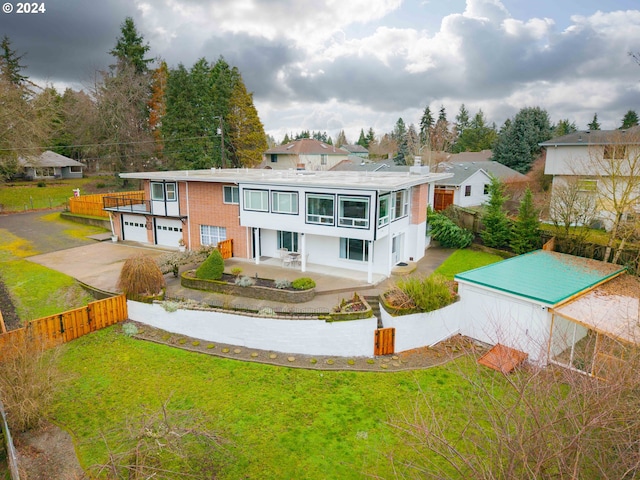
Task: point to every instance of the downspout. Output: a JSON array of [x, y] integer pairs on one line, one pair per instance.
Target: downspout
[[186, 184]]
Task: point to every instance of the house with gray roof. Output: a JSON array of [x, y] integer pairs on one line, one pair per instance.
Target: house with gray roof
[[303, 154], [50, 165], [357, 150]]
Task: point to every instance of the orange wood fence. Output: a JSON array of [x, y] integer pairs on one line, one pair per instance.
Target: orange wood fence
[[92, 204], [384, 342], [226, 248], [64, 327]]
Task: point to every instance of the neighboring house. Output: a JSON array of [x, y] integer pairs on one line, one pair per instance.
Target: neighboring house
[[544, 304], [586, 160], [357, 150], [303, 154], [469, 186], [367, 222], [50, 165], [358, 164]]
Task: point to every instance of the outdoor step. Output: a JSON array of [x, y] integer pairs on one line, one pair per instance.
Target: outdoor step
[[374, 303]]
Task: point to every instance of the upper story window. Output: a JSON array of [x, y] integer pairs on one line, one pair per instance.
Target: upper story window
[[164, 191], [257, 200], [467, 190], [231, 194], [399, 204], [320, 209], [384, 210], [486, 189], [353, 212], [323, 159], [615, 152], [284, 202], [587, 185]]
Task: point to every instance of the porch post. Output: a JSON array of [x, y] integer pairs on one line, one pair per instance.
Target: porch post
[[370, 263], [256, 242], [303, 252]]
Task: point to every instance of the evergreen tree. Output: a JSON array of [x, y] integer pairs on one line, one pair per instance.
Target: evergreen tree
[[286, 139], [594, 125], [223, 80], [526, 233], [371, 137], [362, 140], [426, 124], [246, 132], [10, 66], [497, 228], [442, 115], [130, 47], [399, 134], [517, 145], [629, 120], [476, 137], [413, 141], [462, 120], [564, 127]]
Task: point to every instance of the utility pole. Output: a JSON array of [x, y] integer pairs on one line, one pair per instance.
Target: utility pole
[[222, 144]]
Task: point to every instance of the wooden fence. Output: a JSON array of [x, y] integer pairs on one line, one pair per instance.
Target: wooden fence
[[226, 248], [64, 327], [93, 204]]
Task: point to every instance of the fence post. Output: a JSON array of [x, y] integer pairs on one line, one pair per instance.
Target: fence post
[[12, 456]]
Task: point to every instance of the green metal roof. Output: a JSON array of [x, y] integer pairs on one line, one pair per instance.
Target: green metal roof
[[546, 277]]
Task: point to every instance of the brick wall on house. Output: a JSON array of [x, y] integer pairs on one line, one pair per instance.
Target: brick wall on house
[[206, 207], [419, 202]]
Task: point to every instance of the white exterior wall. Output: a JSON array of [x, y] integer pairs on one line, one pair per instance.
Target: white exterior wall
[[571, 160], [314, 162], [423, 329], [477, 181], [354, 338], [493, 317]]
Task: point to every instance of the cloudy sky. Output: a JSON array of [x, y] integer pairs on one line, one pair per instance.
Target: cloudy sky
[[352, 64]]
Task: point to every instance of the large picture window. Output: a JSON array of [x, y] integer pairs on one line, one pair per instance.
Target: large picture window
[[320, 209], [210, 235], [354, 249], [284, 202], [288, 240], [231, 194], [257, 200], [353, 212]]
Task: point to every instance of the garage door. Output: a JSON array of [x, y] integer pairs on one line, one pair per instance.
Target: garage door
[[134, 228], [168, 232]]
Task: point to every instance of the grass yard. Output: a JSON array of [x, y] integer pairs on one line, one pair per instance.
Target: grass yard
[[280, 423], [464, 260]]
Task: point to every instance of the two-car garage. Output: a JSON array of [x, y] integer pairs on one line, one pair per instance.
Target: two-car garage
[[167, 231]]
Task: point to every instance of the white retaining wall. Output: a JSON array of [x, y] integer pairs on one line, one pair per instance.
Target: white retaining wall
[[352, 338], [423, 329]]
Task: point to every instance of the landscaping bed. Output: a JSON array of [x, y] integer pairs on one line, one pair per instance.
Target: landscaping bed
[[262, 289]]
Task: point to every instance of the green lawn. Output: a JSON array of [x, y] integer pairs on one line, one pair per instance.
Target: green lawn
[[19, 196], [281, 423], [464, 260]]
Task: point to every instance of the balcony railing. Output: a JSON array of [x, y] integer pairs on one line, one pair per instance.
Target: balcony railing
[[127, 204]]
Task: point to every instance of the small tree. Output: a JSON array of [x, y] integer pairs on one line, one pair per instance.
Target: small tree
[[497, 231], [526, 234], [141, 276], [445, 231], [212, 268]]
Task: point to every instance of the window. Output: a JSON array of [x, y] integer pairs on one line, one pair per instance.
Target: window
[[288, 240], [162, 191], [274, 158], [485, 191], [75, 169], [467, 190], [284, 202], [353, 212], [615, 151], [400, 204], [587, 185], [323, 159], [320, 209], [231, 194], [257, 200], [354, 249], [383, 210], [210, 235], [157, 192]]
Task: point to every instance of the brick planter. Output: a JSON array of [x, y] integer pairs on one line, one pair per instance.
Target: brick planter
[[189, 280]]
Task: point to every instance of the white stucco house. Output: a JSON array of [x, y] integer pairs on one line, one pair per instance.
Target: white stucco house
[[599, 164], [303, 154], [367, 222]]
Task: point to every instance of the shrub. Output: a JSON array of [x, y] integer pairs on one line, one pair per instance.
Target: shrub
[[245, 281], [101, 185], [282, 284], [427, 294], [303, 283], [236, 271], [212, 268], [42, 184], [448, 233], [130, 329], [140, 276]]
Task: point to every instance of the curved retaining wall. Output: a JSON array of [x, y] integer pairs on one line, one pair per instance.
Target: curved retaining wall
[[352, 338], [261, 293]]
